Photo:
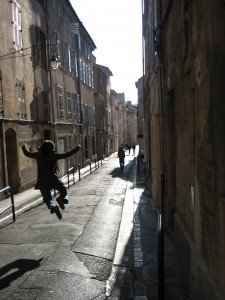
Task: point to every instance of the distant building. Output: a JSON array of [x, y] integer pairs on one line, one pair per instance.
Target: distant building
[[131, 124], [102, 87]]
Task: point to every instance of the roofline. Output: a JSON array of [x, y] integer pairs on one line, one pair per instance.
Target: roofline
[[80, 23]]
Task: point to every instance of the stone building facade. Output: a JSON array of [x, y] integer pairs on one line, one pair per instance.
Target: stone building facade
[[184, 102], [37, 103], [102, 88], [131, 124]]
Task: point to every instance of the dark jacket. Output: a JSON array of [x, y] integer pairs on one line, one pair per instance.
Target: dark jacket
[[48, 177], [121, 152]]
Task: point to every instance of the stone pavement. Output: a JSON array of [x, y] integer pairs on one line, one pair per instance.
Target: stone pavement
[[135, 265]]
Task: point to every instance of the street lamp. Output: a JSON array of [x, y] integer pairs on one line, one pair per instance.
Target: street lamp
[[54, 63]]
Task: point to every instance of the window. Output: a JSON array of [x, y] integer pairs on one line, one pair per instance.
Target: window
[[73, 62], [87, 75], [65, 56], [60, 103], [40, 49], [81, 70], [20, 95], [69, 105], [76, 108], [16, 25], [56, 43]]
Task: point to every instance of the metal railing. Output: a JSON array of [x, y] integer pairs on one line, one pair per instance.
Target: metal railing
[[93, 165], [8, 188]]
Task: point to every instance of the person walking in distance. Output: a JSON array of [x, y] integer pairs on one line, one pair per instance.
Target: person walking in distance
[[48, 175], [121, 155], [129, 147], [133, 147]]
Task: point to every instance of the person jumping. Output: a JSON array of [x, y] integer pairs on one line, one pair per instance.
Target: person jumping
[[48, 176]]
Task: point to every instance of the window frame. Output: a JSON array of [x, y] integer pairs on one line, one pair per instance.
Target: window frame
[[16, 25], [60, 102]]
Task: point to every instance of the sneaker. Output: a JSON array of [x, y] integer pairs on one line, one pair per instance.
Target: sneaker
[[60, 202], [57, 212]]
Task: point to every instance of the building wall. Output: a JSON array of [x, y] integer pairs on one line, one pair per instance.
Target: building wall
[[30, 106], [194, 126], [184, 75]]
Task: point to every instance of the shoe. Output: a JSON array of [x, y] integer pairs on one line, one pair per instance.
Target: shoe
[[57, 212], [60, 202], [65, 201], [52, 210]]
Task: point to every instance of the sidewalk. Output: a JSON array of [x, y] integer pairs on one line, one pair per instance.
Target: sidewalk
[[141, 223], [146, 247]]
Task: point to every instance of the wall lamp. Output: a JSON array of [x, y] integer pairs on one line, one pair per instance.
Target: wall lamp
[[54, 63]]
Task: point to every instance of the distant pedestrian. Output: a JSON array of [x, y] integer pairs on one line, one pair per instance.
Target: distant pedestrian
[[129, 147], [134, 147], [121, 155], [48, 176]]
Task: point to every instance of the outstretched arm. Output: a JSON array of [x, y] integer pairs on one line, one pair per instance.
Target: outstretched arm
[[28, 153], [68, 154]]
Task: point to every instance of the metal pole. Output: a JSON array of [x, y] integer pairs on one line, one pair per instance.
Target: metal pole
[[68, 178], [13, 206], [79, 171]]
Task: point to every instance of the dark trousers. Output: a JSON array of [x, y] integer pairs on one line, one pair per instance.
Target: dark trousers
[[47, 195]]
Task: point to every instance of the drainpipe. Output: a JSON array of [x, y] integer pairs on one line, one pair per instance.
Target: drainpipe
[[79, 93]]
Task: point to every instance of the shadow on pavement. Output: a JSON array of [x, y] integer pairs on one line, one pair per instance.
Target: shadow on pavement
[[19, 267]]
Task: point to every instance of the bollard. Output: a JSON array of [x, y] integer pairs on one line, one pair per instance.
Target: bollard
[[68, 179], [79, 171], [74, 181]]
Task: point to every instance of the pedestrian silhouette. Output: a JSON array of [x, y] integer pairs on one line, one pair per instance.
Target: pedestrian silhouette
[[129, 147], [48, 174], [121, 155]]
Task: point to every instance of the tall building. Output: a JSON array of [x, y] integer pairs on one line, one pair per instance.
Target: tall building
[[37, 102], [184, 122]]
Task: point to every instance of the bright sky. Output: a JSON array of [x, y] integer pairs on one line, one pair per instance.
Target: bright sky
[[116, 29]]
